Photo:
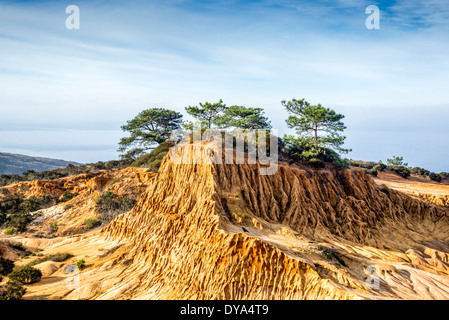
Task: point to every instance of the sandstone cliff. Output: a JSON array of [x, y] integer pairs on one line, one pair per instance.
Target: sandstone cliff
[[211, 231], [187, 231]]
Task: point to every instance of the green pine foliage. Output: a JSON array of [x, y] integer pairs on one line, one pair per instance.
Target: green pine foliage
[[149, 128]]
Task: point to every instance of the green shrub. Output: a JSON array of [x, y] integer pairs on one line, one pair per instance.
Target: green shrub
[[420, 171], [80, 264], [12, 291], [91, 223], [316, 163], [402, 171], [344, 163], [380, 166], [18, 246], [110, 205], [107, 201], [20, 221], [17, 213], [373, 172], [6, 266], [329, 254], [30, 205], [126, 204], [9, 231], [405, 173], [56, 257], [60, 257], [26, 275], [154, 159], [444, 175], [362, 164], [435, 177], [53, 227], [301, 149]]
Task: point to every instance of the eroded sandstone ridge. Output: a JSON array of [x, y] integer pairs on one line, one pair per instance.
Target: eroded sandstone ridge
[[214, 231], [309, 234]]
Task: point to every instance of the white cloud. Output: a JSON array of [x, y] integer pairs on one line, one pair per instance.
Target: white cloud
[[127, 57]]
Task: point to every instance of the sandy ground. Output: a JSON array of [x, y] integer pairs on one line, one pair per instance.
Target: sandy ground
[[413, 185], [405, 275]]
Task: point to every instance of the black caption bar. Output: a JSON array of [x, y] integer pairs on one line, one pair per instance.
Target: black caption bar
[[235, 309]]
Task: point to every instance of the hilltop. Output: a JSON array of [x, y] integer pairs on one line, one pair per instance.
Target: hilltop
[[18, 163]]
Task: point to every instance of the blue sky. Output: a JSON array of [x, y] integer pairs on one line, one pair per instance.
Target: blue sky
[[65, 93]]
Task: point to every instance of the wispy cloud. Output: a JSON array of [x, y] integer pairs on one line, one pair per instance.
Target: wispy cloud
[[129, 56], [418, 14]]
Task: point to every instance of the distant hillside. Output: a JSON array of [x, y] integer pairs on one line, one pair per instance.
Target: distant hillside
[[18, 163]]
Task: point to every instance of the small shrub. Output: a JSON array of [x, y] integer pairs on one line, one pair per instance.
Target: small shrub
[[20, 221], [405, 173], [344, 163], [107, 201], [81, 264], [9, 231], [17, 245], [6, 266], [402, 171], [373, 172], [154, 159], [60, 257], [57, 257], [26, 275], [53, 227], [91, 223], [380, 166], [316, 163], [435, 177], [126, 204], [12, 291], [420, 171], [328, 254], [110, 205], [31, 204]]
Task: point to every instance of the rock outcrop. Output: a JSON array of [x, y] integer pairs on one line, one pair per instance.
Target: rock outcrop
[[85, 188], [212, 231], [223, 231]]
